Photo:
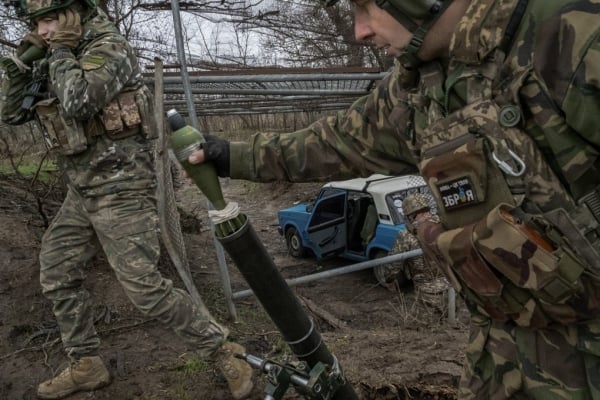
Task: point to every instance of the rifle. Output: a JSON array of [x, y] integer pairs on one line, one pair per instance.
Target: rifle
[[34, 90]]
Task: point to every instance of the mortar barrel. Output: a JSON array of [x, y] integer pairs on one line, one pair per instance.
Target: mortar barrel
[[278, 300]]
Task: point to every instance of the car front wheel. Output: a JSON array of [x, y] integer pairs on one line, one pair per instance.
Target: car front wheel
[[294, 243]]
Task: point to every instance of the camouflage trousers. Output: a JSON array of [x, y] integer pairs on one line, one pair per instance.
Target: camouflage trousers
[[124, 226], [505, 361]]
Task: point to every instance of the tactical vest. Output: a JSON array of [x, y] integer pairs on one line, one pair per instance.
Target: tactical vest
[[518, 244], [128, 114]]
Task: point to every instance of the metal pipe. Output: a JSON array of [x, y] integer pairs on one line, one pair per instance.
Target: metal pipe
[[340, 271], [451, 306], [288, 92], [266, 112], [261, 99], [283, 107], [181, 56], [359, 267], [273, 106], [278, 77]]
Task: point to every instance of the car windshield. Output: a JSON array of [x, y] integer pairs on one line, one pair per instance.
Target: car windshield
[[394, 202]]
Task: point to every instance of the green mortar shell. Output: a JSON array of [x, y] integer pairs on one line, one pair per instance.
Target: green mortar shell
[[184, 142], [31, 54]]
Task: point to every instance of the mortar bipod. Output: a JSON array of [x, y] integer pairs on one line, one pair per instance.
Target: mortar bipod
[[319, 383]]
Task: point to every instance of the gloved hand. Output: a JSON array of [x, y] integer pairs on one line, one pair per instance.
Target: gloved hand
[[26, 48], [215, 150], [69, 30]]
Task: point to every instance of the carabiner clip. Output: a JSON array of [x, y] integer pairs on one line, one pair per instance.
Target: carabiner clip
[[506, 168]]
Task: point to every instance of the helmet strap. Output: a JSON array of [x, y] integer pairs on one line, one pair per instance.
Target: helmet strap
[[409, 58], [404, 19]]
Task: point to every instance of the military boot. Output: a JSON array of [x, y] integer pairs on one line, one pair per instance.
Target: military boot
[[87, 373], [237, 372]]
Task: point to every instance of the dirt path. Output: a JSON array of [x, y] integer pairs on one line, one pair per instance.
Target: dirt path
[[389, 345]]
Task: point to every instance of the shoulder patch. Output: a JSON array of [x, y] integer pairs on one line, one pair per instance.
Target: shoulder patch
[[92, 62]]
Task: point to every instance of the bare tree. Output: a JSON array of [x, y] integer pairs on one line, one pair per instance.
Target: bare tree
[[257, 32], [308, 34]]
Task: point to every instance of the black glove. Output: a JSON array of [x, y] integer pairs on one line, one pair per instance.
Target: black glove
[[216, 150]]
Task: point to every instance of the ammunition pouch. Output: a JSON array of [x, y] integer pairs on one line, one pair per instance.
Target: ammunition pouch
[[511, 267], [511, 245], [463, 180], [128, 114], [472, 163], [512, 238], [145, 103], [62, 134]]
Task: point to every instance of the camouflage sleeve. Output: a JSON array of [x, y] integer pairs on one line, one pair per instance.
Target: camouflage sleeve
[[567, 58], [85, 84], [581, 103], [12, 93], [367, 138], [405, 241]]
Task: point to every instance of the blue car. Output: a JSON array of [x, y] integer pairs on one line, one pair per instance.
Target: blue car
[[357, 219]]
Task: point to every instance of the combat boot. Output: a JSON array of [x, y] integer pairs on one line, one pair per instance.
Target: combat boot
[[87, 373], [237, 372]]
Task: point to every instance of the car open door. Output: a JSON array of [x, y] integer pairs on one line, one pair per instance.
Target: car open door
[[327, 225]]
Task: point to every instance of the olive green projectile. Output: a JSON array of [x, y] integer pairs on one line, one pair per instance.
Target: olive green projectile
[[31, 54], [184, 140]]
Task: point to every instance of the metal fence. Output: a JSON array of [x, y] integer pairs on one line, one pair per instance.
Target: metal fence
[[269, 91]]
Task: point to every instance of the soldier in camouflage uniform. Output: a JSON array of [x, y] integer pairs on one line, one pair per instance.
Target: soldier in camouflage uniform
[[427, 279], [421, 271], [394, 275], [497, 104], [96, 114]]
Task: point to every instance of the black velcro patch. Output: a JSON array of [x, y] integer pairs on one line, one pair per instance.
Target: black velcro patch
[[457, 193]]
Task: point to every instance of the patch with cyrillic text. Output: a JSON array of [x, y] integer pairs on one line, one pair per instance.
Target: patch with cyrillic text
[[457, 193]]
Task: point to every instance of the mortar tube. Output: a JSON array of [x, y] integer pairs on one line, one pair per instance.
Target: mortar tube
[[278, 300]]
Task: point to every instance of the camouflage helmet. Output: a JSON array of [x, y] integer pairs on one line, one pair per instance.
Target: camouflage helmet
[[407, 11], [32, 9], [418, 16], [416, 9], [414, 203]]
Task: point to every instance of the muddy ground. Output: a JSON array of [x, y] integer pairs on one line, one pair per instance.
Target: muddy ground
[[389, 344]]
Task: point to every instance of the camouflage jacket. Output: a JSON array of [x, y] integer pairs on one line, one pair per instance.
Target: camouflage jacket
[[406, 241], [96, 108], [511, 119], [557, 43], [102, 66]]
